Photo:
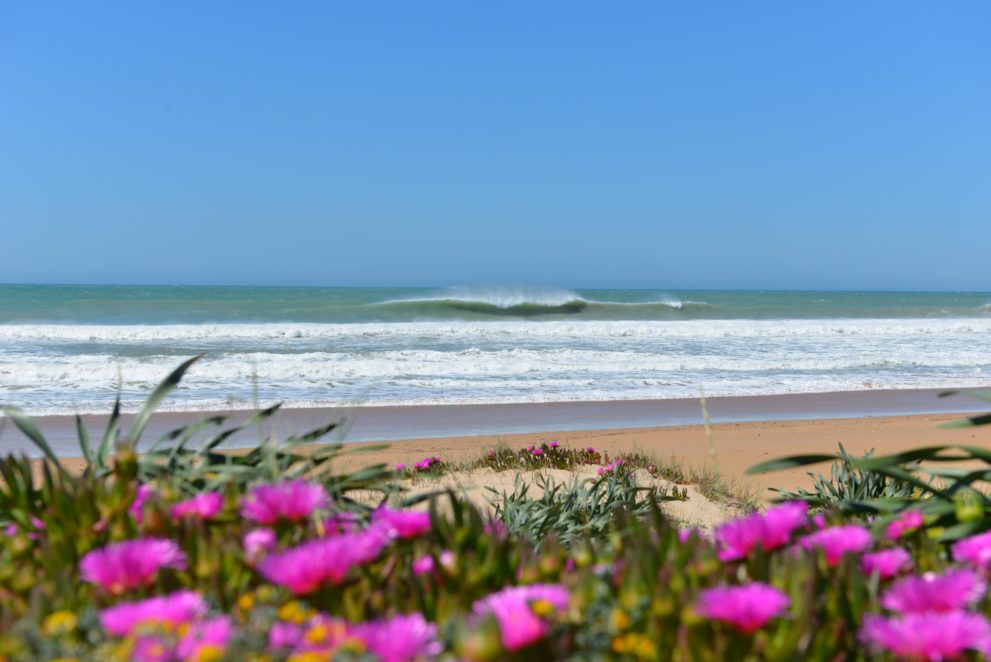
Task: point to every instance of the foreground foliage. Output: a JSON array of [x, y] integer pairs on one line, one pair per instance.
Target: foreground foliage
[[200, 555]]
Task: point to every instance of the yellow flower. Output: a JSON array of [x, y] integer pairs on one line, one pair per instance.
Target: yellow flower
[[634, 644], [542, 608], [208, 653], [316, 634], [59, 622], [294, 612], [309, 656], [620, 619], [246, 602]]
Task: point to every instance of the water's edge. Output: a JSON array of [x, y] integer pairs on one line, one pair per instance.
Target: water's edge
[[402, 423]]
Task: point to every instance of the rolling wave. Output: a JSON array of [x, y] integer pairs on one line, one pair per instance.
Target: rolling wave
[[507, 301]]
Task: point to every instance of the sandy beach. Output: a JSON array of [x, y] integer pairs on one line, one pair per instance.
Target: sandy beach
[[738, 446]]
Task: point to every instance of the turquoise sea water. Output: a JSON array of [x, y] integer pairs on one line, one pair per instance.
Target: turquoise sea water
[[130, 304], [71, 348]]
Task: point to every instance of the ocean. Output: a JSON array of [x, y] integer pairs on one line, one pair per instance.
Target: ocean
[[72, 349]]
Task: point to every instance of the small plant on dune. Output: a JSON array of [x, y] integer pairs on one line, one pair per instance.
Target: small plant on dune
[[547, 455], [578, 508], [848, 484]]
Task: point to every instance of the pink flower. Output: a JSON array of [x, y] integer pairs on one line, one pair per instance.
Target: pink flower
[[612, 467], [136, 508], [284, 635], [400, 467], [320, 634], [306, 567], [908, 521], [746, 608], [427, 463], [399, 639], [837, 541], [953, 590], [340, 523], [172, 609], [927, 636], [425, 564], [257, 542], [494, 527], [210, 635], [975, 550], [553, 444], [125, 565], [737, 538], [887, 563], [519, 623], [292, 500], [204, 506], [399, 523], [537, 451]]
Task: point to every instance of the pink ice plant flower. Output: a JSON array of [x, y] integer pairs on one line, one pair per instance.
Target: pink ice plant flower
[[537, 451], [512, 607], [401, 638], [171, 610], [837, 541], [401, 523], [122, 566], [975, 550], [611, 467], [324, 561], [553, 444], [746, 608], [887, 563], [136, 508], [927, 635], [425, 564], [907, 522], [292, 636], [209, 635], [340, 523], [292, 500], [773, 529], [203, 506], [950, 591], [257, 542]]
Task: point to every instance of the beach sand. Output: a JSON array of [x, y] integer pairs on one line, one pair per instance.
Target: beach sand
[[737, 446]]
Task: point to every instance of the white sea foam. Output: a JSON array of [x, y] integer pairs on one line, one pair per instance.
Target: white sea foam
[[979, 328], [64, 368]]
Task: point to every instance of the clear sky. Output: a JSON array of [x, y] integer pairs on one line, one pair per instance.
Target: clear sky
[[725, 144]]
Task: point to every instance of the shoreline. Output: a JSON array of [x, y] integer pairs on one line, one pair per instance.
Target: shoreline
[[400, 424]]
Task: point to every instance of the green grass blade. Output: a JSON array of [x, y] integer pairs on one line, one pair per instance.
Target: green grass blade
[[109, 436], [979, 394], [31, 431], [83, 435], [790, 462], [156, 397], [925, 454], [973, 421]]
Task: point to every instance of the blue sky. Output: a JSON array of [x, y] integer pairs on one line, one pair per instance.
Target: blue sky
[[782, 145]]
